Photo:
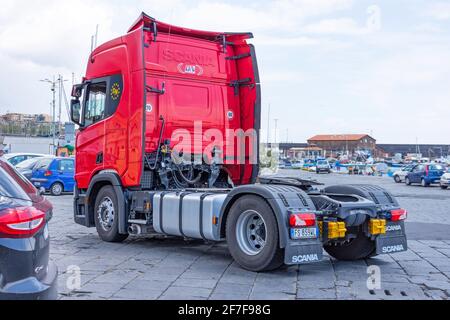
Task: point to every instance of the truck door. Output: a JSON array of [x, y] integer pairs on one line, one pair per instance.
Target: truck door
[[91, 144]]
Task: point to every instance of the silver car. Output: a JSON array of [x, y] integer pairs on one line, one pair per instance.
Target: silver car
[[445, 181], [400, 175]]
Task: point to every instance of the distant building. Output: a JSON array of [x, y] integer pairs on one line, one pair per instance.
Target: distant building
[[426, 150], [339, 144], [44, 118], [305, 153], [22, 117]]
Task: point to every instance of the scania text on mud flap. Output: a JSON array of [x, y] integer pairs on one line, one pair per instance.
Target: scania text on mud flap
[[168, 143]]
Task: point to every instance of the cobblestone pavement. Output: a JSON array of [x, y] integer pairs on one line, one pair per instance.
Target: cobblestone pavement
[[172, 268]]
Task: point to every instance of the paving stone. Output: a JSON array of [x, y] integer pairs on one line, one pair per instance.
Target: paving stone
[[271, 295], [147, 285], [436, 294], [102, 289], [185, 293], [316, 294], [228, 296], [239, 289], [134, 294], [195, 283], [171, 268]]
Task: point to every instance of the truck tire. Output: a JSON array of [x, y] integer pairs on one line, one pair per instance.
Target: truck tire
[[359, 248], [106, 216], [253, 235]]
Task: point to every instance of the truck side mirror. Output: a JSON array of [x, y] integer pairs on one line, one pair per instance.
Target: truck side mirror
[[75, 112]]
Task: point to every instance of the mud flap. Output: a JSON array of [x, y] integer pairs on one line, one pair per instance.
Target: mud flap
[[394, 240], [303, 252]]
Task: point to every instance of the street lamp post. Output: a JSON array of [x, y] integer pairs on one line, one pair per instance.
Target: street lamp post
[[276, 129], [53, 89]]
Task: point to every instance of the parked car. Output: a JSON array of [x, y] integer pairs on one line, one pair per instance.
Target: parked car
[[16, 158], [285, 164], [297, 165], [400, 175], [26, 167], [445, 180], [323, 166], [425, 174], [55, 175], [26, 273]]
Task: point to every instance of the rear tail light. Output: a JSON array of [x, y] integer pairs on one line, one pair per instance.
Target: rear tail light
[[47, 173], [302, 220], [20, 222], [399, 215]]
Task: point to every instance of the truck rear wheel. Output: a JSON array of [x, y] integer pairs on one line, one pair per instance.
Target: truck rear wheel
[[253, 236], [359, 248], [106, 216]]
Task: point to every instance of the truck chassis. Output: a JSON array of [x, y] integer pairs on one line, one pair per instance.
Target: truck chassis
[[258, 221]]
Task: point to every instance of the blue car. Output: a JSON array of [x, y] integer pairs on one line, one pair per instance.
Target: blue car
[[55, 175], [425, 174]]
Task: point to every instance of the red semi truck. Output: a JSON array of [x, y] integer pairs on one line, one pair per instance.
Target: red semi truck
[[168, 144]]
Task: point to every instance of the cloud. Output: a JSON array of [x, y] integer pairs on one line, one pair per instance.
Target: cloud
[[340, 26], [314, 55], [258, 15], [54, 34], [286, 42], [439, 11]]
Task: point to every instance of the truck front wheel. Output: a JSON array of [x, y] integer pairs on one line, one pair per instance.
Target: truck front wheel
[[106, 216], [359, 248], [253, 236]]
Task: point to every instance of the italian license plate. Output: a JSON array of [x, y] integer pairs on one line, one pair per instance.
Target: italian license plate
[[304, 233]]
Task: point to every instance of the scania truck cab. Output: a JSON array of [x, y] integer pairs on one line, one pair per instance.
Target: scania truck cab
[[168, 143]]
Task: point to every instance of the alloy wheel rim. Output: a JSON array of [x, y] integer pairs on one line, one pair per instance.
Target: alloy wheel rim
[[57, 189]]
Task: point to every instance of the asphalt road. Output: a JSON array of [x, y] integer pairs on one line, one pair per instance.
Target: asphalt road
[[172, 268]]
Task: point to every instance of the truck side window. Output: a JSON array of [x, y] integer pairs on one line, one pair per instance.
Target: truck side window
[[95, 104]]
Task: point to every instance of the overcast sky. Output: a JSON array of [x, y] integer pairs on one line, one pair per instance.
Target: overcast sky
[[327, 66]]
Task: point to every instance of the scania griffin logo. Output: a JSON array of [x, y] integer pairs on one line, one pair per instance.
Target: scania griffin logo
[[190, 69]]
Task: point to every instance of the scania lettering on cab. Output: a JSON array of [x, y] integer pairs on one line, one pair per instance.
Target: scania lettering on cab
[[169, 122]]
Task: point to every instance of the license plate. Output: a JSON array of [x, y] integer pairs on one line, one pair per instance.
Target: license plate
[[304, 233], [37, 184]]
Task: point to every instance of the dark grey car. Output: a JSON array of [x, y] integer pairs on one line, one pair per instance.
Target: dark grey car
[[26, 273], [27, 167]]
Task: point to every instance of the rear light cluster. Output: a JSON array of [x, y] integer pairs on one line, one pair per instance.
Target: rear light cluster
[[20, 222], [298, 220], [48, 173], [399, 215]]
